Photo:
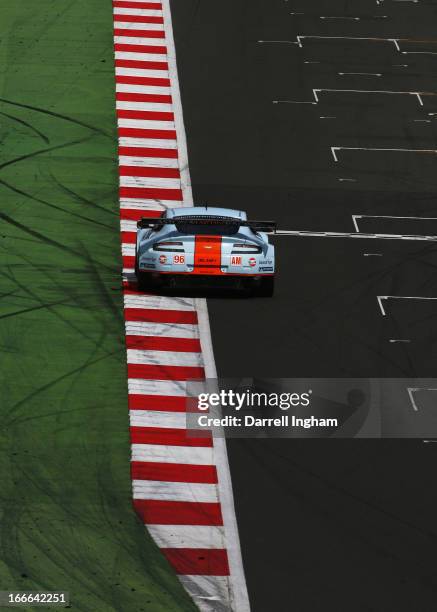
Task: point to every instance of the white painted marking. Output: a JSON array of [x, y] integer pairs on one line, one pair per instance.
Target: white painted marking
[[417, 94], [312, 234], [393, 341], [343, 18], [144, 106], [335, 149], [377, 74], [412, 390], [400, 297], [347, 180], [355, 217], [328, 117], [372, 254], [288, 42]]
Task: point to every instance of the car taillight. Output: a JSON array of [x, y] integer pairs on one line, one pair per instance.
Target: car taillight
[[169, 246], [242, 248]]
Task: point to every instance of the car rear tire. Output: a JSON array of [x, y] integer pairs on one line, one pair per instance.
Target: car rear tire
[[266, 287]]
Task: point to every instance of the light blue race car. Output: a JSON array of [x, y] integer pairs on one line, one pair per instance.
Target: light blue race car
[[210, 247]]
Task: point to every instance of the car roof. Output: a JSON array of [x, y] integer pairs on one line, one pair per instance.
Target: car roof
[[205, 211]]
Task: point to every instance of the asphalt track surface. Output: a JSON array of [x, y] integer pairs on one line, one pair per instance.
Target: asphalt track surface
[[345, 525]]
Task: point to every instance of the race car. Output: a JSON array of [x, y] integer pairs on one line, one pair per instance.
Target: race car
[[210, 247]]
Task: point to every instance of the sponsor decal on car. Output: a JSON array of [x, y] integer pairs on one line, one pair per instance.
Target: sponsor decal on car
[[266, 269], [266, 262], [235, 261], [178, 259], [162, 259], [252, 262]]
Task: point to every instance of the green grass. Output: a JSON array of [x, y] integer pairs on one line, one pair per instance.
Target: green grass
[[66, 520]]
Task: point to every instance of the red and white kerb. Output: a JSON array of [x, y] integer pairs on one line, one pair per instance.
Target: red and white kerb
[[181, 484]]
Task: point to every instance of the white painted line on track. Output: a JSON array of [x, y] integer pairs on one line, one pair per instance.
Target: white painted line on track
[[355, 217], [380, 298], [335, 149], [412, 390], [376, 74], [361, 235], [394, 341]]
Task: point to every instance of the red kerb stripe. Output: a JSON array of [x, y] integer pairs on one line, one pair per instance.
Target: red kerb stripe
[[160, 512], [124, 63], [152, 193], [155, 171], [137, 19], [141, 48], [163, 343], [148, 152], [169, 403], [143, 5], [160, 316], [164, 372], [169, 437], [139, 33], [198, 561], [174, 472], [123, 96], [146, 115], [139, 80]]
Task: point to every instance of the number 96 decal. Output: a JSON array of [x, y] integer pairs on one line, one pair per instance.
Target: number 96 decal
[[178, 259]]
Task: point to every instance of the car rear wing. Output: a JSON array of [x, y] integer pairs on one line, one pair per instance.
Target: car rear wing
[[255, 226]]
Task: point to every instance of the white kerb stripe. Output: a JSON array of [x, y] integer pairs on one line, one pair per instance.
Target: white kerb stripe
[[142, 72], [139, 386], [158, 418], [148, 143], [170, 358], [146, 124], [144, 56], [160, 302], [159, 453], [142, 89], [175, 491], [188, 536], [133, 25], [137, 12], [149, 181], [144, 106], [166, 330], [176, 388], [148, 162], [139, 40]]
